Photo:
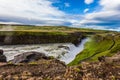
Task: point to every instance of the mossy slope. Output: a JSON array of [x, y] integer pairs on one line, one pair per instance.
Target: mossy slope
[[99, 45]]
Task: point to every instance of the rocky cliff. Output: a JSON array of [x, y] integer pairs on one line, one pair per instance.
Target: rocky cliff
[[16, 37]]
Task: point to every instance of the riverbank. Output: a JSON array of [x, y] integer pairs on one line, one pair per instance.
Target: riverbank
[[105, 45]]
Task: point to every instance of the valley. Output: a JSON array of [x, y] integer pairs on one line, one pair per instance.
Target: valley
[[69, 52]]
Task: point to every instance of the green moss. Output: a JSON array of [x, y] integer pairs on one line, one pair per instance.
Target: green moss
[[77, 69], [50, 29], [96, 47], [33, 63], [20, 33], [51, 57]]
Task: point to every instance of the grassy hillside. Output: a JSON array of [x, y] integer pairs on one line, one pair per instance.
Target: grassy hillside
[[99, 45], [19, 34], [47, 29]]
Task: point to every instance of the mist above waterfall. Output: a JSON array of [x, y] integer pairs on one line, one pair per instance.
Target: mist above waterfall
[[8, 38], [7, 28]]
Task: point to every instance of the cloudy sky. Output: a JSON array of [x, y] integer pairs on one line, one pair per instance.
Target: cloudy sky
[[98, 14]]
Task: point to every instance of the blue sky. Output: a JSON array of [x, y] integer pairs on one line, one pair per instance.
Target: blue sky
[[97, 14], [74, 7]]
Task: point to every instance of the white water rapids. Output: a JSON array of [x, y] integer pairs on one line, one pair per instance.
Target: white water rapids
[[66, 53], [67, 58]]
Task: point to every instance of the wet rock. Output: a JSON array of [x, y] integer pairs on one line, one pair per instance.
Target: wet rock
[[29, 57], [1, 52], [101, 59], [65, 47], [2, 56], [113, 59]]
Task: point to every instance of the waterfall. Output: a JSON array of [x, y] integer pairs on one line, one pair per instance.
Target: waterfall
[[68, 57], [52, 49]]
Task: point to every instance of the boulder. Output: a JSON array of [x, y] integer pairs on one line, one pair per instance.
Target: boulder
[[65, 47], [1, 52], [29, 57], [2, 56], [101, 59]]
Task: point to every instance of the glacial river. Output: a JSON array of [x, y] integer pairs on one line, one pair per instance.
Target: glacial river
[[63, 51]]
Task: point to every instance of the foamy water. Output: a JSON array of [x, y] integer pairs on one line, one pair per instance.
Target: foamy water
[[68, 57], [63, 54]]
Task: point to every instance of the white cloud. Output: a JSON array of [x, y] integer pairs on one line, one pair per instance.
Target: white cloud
[[41, 12], [30, 9], [110, 4], [103, 28], [115, 29], [86, 10], [107, 18], [9, 23], [89, 1], [67, 4]]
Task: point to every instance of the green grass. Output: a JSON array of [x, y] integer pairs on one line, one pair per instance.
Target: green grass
[[100, 45], [112, 51], [17, 33], [49, 29]]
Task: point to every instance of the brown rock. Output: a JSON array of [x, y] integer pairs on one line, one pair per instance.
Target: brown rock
[[29, 57], [2, 56], [1, 52]]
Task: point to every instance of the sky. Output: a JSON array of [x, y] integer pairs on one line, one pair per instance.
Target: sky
[[96, 14]]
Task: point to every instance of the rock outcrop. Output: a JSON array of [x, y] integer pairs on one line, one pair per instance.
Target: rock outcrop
[[2, 56], [56, 70], [65, 47], [18, 37], [41, 67], [113, 59], [40, 70], [29, 57]]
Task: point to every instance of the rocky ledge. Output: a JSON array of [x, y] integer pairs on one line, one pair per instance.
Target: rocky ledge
[[29, 57], [37, 66], [2, 56]]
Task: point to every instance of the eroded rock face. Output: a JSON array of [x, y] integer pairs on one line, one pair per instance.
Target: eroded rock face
[[36, 38], [28, 57], [51, 69], [1, 52], [114, 59], [65, 47], [55, 70], [2, 56]]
